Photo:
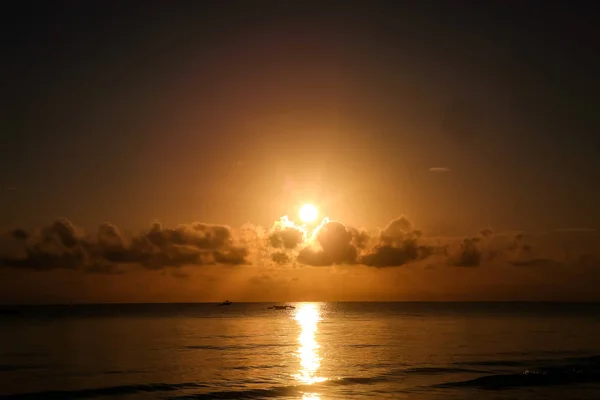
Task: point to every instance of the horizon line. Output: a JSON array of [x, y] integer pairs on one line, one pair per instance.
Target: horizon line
[[314, 301]]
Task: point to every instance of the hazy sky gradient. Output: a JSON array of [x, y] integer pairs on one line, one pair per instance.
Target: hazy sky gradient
[[461, 116]]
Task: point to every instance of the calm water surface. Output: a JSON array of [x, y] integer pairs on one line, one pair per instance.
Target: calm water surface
[[316, 351]]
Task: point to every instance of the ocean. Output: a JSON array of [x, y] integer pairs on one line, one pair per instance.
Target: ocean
[[315, 351]]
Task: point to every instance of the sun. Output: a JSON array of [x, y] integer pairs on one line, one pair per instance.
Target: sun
[[308, 213]]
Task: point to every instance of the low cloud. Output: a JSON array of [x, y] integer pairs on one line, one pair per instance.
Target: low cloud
[[61, 245], [396, 245], [286, 235], [57, 246], [333, 243], [280, 257], [467, 255]]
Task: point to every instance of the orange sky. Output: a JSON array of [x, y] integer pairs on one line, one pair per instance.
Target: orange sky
[[329, 261], [477, 123]]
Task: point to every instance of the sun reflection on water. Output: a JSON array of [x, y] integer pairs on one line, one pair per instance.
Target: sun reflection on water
[[307, 316]]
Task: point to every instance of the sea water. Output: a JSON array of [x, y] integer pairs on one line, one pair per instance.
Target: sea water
[[315, 351]]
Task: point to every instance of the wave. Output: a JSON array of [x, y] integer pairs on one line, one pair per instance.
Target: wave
[[536, 378], [241, 394], [530, 362], [567, 371], [277, 391], [575, 371], [495, 363], [438, 370], [107, 391]]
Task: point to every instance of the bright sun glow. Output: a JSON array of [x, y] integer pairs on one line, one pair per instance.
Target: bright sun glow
[[308, 317], [308, 213]]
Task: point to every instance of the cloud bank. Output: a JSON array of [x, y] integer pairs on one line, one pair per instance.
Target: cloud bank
[[61, 245]]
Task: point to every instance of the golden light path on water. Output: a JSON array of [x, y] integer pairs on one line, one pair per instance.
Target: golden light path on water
[[307, 316]]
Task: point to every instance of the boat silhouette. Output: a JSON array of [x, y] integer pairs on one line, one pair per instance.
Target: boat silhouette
[[285, 307], [225, 303]]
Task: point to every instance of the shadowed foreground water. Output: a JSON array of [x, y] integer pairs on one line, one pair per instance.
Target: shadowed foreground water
[[316, 351]]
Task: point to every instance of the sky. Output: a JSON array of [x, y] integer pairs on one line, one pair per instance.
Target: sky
[[149, 151]]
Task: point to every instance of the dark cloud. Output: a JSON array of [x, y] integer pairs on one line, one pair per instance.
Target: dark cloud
[[485, 248], [514, 249], [396, 231], [336, 244], [314, 257], [280, 257], [63, 231], [360, 238], [468, 254], [53, 247], [336, 241], [391, 256], [287, 238], [230, 256], [108, 246], [195, 244], [59, 245], [398, 244]]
